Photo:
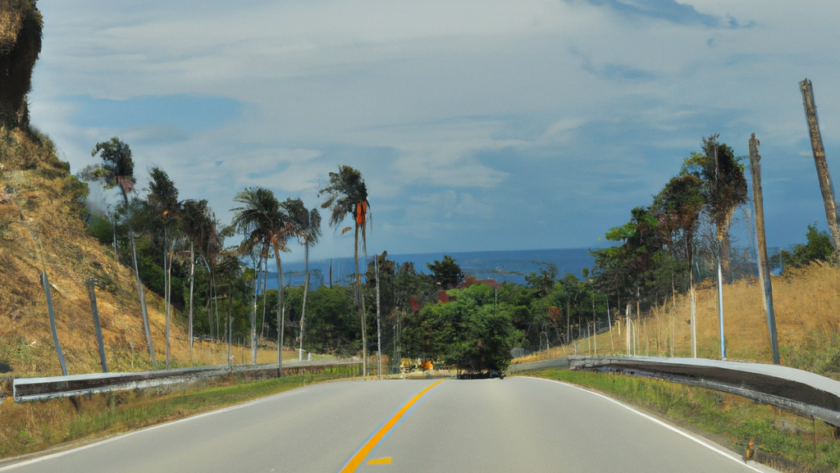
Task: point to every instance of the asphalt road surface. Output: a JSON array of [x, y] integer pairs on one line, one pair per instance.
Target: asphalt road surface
[[516, 424]]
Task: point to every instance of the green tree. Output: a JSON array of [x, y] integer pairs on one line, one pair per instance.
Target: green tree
[[447, 273], [468, 333], [347, 195], [117, 170], [306, 226], [165, 213], [262, 218], [679, 204], [818, 247]]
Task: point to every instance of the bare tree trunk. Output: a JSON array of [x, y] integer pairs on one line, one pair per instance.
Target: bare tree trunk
[[691, 299], [265, 281], [609, 322], [254, 311], [140, 291], [822, 166], [192, 284], [281, 326], [763, 261], [360, 302], [378, 329], [168, 293], [229, 326], [628, 328], [305, 293]]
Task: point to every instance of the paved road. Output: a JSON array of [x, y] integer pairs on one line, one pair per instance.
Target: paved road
[[516, 424]]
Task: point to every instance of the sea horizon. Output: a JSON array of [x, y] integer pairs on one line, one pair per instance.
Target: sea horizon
[[500, 265]]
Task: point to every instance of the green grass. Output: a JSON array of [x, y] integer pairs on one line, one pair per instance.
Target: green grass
[[35, 426], [732, 421]]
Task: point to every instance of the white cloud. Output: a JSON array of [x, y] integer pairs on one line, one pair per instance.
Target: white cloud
[[561, 108]]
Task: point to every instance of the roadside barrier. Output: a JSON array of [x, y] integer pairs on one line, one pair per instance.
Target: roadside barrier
[[796, 391], [34, 389]]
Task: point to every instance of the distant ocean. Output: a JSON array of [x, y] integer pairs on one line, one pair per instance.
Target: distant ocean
[[503, 266]]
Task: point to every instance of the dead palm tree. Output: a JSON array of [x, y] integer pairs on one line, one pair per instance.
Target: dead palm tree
[[117, 170], [306, 225], [263, 219], [347, 194]]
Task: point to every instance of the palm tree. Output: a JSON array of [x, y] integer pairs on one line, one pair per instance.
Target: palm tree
[[262, 217], [197, 226], [307, 228], [165, 212], [117, 170], [347, 194]]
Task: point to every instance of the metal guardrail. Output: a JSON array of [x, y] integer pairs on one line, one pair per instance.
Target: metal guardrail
[[796, 391], [34, 389]]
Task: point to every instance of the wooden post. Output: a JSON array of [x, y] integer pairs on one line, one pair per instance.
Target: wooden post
[[819, 159], [91, 286], [763, 261]]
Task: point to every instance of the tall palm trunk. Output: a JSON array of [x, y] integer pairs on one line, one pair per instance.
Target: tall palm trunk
[[254, 312], [192, 280], [691, 300], [167, 291], [140, 291], [360, 302], [280, 319], [305, 293], [264, 282]]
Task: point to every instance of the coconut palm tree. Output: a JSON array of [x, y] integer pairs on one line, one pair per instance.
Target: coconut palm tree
[[347, 194], [197, 225], [117, 170], [165, 211], [306, 225], [262, 217]]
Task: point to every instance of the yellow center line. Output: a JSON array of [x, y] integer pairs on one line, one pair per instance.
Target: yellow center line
[[363, 452], [380, 461]]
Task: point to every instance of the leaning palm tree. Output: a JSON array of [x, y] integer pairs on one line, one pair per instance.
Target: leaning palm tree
[[117, 170], [306, 225], [263, 219], [347, 194]]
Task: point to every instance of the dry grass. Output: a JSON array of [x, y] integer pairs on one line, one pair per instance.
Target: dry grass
[[807, 319], [37, 208]]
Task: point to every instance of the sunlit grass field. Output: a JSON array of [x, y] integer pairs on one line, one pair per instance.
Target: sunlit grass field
[[807, 318]]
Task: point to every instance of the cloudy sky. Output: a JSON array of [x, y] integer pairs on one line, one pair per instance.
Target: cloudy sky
[[477, 124]]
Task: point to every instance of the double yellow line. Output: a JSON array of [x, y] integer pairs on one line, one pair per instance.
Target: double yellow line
[[363, 452]]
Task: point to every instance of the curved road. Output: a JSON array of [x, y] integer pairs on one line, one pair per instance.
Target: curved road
[[516, 424]]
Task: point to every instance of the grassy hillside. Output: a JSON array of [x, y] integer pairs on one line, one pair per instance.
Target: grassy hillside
[[40, 219], [807, 322]]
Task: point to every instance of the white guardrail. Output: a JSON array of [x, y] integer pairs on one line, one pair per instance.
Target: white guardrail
[[796, 391], [34, 389]]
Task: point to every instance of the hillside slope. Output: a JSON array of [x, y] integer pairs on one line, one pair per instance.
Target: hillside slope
[[41, 206]]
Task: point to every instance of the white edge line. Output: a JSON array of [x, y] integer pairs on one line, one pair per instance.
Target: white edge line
[[127, 434], [654, 419]]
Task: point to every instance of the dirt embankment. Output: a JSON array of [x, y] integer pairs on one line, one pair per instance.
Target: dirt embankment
[[40, 225]]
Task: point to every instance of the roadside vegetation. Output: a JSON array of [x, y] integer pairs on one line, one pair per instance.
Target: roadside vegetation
[[34, 426], [786, 441]]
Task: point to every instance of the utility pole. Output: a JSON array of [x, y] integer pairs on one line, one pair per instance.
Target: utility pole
[[763, 261], [819, 159]]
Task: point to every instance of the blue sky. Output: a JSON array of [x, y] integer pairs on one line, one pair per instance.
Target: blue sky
[[478, 124]]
